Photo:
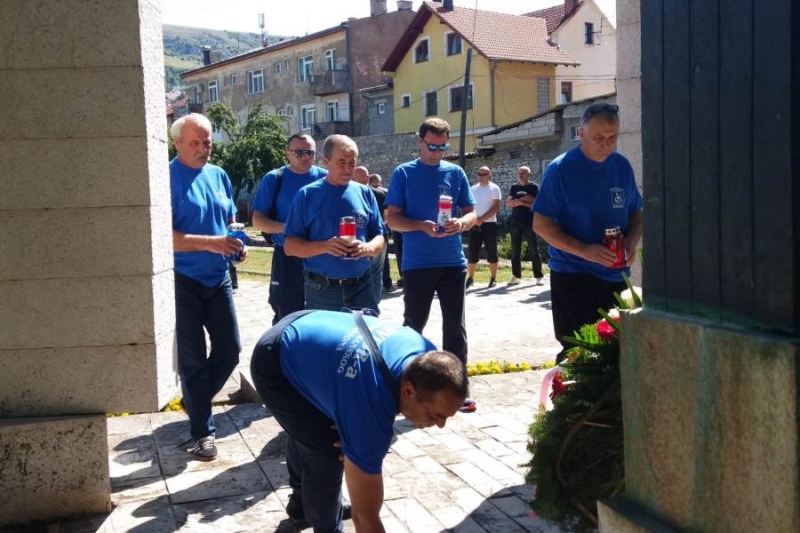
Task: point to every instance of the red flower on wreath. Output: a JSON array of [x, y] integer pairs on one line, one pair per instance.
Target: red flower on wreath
[[605, 330], [558, 386]]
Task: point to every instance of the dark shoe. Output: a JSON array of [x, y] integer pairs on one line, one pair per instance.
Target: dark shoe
[[492, 283], [469, 406], [295, 510], [204, 449], [400, 283], [470, 281]]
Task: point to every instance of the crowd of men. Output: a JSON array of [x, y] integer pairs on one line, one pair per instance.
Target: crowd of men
[[329, 370]]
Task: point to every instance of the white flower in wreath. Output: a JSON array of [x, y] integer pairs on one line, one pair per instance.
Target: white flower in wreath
[[627, 296]]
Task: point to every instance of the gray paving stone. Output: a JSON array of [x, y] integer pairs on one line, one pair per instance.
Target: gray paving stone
[[258, 511], [208, 484], [414, 515], [481, 482]]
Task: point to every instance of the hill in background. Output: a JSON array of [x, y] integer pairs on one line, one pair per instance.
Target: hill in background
[[183, 48]]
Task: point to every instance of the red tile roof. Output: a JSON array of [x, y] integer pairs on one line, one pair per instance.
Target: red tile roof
[[496, 36], [554, 15]]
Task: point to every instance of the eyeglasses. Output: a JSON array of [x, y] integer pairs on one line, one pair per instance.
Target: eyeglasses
[[303, 153], [441, 147], [596, 109]]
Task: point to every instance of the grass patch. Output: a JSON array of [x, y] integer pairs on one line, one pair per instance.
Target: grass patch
[[482, 368]]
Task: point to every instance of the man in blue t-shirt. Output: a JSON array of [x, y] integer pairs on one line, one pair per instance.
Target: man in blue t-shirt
[[337, 272], [202, 208], [319, 379], [433, 256], [286, 293], [585, 191]]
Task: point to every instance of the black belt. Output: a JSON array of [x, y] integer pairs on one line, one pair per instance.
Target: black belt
[[336, 282]]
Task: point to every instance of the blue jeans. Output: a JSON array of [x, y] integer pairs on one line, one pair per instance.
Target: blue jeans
[[286, 293], [315, 472], [333, 298], [449, 284], [204, 374]]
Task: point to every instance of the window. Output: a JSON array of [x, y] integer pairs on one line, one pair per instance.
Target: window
[[281, 112], [573, 133], [255, 81], [332, 111], [588, 37], [213, 92], [453, 42], [421, 52], [277, 68], [234, 79], [305, 68], [308, 116], [566, 92], [542, 94], [290, 111], [457, 98], [381, 108], [405, 100], [431, 103], [288, 65], [330, 59]]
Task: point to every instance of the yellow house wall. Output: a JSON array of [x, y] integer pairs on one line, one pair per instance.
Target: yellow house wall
[[514, 88], [597, 71]]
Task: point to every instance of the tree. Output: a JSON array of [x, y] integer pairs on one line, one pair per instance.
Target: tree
[[252, 150]]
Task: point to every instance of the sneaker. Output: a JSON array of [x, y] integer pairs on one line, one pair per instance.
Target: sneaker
[[514, 281], [492, 283], [470, 281], [204, 449], [469, 406], [539, 281]]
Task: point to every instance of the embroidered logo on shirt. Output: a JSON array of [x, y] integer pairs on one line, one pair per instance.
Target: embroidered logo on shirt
[[617, 198]]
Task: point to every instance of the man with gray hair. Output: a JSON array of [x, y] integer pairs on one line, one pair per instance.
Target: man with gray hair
[[520, 199], [202, 208], [585, 192]]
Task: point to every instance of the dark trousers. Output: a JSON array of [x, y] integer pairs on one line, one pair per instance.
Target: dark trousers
[[315, 472], [203, 375], [448, 283], [387, 270], [576, 299], [520, 231], [397, 237], [377, 266], [287, 285], [234, 274]]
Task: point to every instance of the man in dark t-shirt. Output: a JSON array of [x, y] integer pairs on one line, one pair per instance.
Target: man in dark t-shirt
[[376, 186], [520, 199]]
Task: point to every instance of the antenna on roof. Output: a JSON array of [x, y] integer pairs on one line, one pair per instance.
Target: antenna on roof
[[262, 25]]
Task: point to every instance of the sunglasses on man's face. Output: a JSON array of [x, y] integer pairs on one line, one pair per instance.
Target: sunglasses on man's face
[[303, 153], [441, 147]]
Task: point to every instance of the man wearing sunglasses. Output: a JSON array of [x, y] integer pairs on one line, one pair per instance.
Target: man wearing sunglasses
[[433, 257], [585, 191], [270, 209]]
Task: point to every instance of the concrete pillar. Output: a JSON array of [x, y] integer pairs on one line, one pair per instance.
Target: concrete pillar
[[87, 307]]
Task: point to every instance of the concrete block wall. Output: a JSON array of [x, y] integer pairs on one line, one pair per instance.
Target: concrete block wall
[[86, 247]]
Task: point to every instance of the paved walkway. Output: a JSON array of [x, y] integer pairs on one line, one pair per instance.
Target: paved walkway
[[466, 477]]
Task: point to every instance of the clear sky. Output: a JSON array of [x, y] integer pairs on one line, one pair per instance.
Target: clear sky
[[300, 17]]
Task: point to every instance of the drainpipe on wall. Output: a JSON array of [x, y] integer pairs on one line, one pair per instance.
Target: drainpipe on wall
[[492, 67], [351, 71]]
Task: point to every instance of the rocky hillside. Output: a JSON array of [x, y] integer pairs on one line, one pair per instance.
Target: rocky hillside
[[183, 48]]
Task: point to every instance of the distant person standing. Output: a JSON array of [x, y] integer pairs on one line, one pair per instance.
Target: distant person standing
[[337, 267], [586, 191], [376, 185], [270, 209], [520, 199], [484, 232], [433, 257], [361, 175], [202, 208]]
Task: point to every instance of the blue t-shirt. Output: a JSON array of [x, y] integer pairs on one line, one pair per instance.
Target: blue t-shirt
[[324, 357], [202, 204], [415, 190], [585, 198], [315, 215], [290, 184]]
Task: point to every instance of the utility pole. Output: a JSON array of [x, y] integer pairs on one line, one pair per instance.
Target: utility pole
[[465, 101]]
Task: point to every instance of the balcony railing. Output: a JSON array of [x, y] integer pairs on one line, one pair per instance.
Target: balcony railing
[[320, 130], [330, 82]]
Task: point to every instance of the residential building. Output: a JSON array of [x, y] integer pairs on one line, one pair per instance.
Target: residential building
[[311, 82], [380, 109], [512, 72], [587, 31]]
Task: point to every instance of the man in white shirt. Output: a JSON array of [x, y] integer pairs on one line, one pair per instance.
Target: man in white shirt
[[484, 232]]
